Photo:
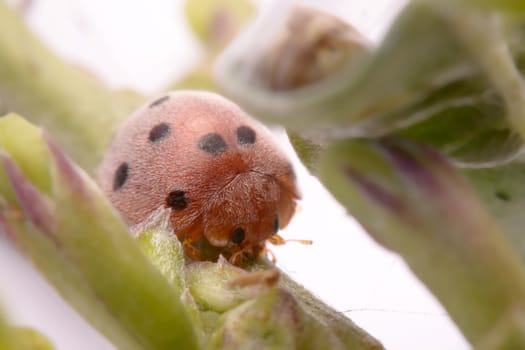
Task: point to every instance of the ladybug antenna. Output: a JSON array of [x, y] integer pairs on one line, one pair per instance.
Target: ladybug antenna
[[278, 240]]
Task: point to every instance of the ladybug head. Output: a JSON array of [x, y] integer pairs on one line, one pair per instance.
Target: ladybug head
[[248, 211]]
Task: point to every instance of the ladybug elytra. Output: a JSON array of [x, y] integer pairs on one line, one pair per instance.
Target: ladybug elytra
[[228, 185]]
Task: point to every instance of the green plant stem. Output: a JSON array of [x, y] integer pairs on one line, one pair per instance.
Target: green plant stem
[[482, 34], [72, 104], [77, 240], [452, 243]]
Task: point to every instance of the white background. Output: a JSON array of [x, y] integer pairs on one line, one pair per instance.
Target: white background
[[144, 45]]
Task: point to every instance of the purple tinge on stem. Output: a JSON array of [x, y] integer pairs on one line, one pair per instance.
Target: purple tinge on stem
[[373, 191], [66, 169], [35, 206], [404, 157], [5, 229]]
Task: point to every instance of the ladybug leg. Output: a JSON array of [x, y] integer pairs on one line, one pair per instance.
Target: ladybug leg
[[188, 237], [237, 259], [263, 278], [240, 254], [270, 255], [192, 252]]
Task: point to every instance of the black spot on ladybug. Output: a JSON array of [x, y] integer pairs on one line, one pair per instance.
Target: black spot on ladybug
[[177, 200], [159, 132], [121, 175], [245, 136], [159, 101], [276, 225], [213, 144], [502, 195], [238, 235]]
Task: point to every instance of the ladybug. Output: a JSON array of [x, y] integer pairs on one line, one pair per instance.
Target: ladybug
[[228, 185]]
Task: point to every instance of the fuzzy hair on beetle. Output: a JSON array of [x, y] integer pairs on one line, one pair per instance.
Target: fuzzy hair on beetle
[[229, 186]]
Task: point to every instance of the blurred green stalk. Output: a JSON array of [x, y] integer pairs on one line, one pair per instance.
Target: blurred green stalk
[[67, 100], [77, 240]]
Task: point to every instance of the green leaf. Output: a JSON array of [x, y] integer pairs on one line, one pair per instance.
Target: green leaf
[[470, 131], [501, 190], [21, 338], [243, 309], [5, 339], [30, 339], [274, 320], [500, 5], [307, 150], [395, 75], [449, 76], [348, 332], [444, 74], [72, 104], [414, 202], [158, 241], [209, 285], [82, 246], [216, 22], [508, 333], [23, 142]]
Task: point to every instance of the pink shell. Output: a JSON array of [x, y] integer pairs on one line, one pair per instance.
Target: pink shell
[[217, 168]]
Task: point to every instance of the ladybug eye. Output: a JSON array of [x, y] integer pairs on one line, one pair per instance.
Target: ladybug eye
[[276, 225], [238, 235]]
